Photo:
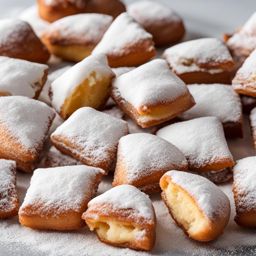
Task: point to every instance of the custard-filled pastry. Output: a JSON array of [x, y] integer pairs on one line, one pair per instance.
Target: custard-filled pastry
[[252, 119], [56, 9], [126, 43], [248, 103], [217, 100], [88, 83], [18, 40], [244, 190], [24, 125], [151, 97], [124, 217], [244, 81], [196, 204], [57, 197], [243, 41], [9, 202], [74, 37], [165, 25], [143, 158], [21, 77], [91, 137], [205, 60], [202, 141]]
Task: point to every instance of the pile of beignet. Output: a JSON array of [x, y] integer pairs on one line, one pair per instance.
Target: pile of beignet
[[156, 125]]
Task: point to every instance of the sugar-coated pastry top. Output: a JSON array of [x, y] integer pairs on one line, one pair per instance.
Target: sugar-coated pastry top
[[26, 120], [149, 12], [126, 197], [7, 184], [144, 153], [124, 31], [64, 85], [77, 3], [76, 29], [205, 54], [210, 198], [250, 26], [64, 188], [150, 84], [244, 183], [201, 140], [20, 77], [93, 130], [214, 100], [122, 70]]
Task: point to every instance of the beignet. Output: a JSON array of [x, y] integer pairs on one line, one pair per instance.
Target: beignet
[[197, 205], [124, 217]]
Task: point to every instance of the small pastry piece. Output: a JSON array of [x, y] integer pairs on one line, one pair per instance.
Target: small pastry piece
[[54, 158], [151, 97], [9, 203], [91, 137], [52, 10], [248, 103], [18, 40], [24, 125], [124, 217], [21, 77], [58, 196], [205, 60], [217, 100], [163, 23], [88, 83], [244, 81], [197, 205], [132, 45], [74, 37], [202, 141], [143, 158], [110, 7], [252, 119]]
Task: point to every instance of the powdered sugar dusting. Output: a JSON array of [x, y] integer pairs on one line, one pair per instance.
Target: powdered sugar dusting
[[150, 84], [212, 201], [126, 197], [209, 102]]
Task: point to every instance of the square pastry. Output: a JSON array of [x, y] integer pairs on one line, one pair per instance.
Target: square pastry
[[205, 60], [24, 125], [151, 94], [57, 197], [9, 203], [91, 137], [217, 100], [202, 141]]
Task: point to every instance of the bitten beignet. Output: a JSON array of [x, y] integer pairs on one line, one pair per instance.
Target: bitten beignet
[[58, 196], [86, 84], [124, 217], [151, 97], [205, 60], [244, 190], [143, 158], [197, 205], [202, 141], [126, 43], [91, 137], [9, 202]]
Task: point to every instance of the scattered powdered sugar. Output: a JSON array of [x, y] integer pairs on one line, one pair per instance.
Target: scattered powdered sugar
[[192, 55], [126, 197], [27, 120], [150, 84], [201, 140], [125, 31], [149, 12], [209, 102], [144, 154], [20, 77], [84, 28], [65, 188], [244, 183], [64, 85]]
